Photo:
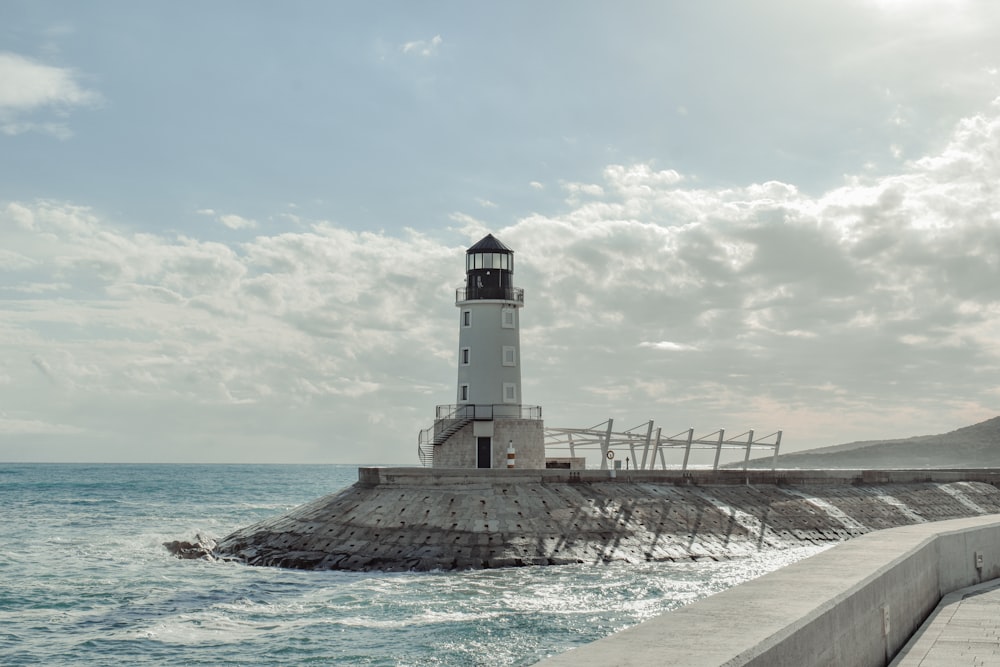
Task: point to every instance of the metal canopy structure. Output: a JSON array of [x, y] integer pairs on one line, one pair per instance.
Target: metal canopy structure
[[646, 443]]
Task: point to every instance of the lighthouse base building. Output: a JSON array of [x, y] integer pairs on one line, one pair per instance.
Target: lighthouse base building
[[488, 444], [487, 426]]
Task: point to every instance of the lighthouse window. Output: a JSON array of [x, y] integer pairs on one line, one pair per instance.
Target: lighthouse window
[[478, 260], [507, 318], [463, 392], [466, 318], [509, 359], [465, 356], [509, 392]]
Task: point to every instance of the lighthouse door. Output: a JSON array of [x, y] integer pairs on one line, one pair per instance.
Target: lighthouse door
[[484, 452]]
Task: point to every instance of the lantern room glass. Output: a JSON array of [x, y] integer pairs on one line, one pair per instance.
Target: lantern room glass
[[489, 260]]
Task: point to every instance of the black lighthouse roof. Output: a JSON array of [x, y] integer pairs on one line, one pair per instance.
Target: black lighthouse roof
[[489, 269], [489, 243]]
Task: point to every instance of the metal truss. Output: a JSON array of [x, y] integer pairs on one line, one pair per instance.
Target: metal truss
[[646, 443]]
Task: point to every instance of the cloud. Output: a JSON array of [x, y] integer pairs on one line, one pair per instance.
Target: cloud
[[423, 47], [325, 320], [666, 345], [28, 84], [783, 290], [21, 427], [236, 222], [867, 310], [230, 220], [28, 87]]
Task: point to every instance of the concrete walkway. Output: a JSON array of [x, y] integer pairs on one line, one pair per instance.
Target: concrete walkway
[[854, 605], [963, 630]]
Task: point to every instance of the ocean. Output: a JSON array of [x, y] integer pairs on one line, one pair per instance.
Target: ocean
[[85, 580]]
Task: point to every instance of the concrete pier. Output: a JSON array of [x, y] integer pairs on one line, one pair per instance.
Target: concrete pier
[[857, 604], [420, 519]]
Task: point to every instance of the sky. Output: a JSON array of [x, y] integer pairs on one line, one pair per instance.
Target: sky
[[232, 231]]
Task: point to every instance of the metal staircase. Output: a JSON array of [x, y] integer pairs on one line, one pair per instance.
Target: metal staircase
[[437, 435], [450, 430]]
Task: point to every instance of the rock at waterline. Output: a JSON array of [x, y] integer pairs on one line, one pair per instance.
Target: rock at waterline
[[201, 547]]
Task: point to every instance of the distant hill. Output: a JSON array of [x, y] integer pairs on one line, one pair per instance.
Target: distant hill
[[975, 446]]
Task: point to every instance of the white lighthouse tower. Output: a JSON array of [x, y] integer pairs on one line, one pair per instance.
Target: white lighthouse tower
[[487, 426], [489, 375]]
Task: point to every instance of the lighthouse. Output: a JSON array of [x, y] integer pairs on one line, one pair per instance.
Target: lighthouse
[[487, 426], [489, 375]]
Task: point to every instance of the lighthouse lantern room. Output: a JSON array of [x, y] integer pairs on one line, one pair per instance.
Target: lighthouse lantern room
[[487, 425]]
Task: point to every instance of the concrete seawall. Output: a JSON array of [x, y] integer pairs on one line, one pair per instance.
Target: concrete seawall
[[854, 605], [419, 519]]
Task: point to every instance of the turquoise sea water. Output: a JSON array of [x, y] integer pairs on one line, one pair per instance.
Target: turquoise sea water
[[85, 580]]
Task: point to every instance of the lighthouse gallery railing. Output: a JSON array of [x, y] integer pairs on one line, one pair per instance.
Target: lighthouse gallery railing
[[487, 412], [515, 294]]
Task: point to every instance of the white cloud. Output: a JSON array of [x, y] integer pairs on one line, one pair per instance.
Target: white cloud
[[27, 84], [20, 427], [20, 215], [870, 309], [12, 261], [230, 220], [324, 320], [28, 87], [785, 287], [236, 222], [591, 189], [57, 130], [667, 346], [625, 179], [423, 47]]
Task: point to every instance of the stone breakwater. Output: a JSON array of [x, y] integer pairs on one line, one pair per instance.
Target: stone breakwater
[[419, 519]]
